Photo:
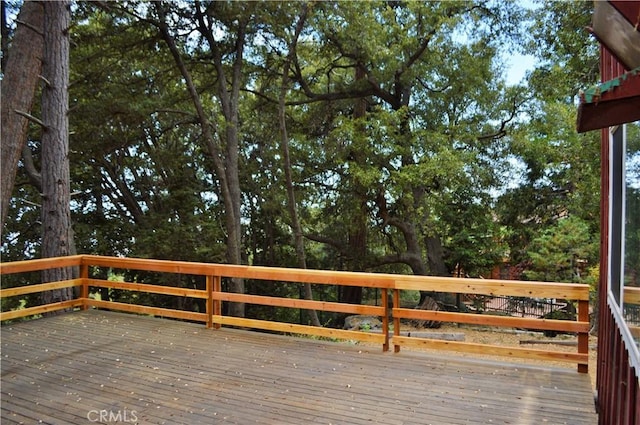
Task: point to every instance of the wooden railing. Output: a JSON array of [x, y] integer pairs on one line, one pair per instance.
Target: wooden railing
[[567, 291], [214, 295]]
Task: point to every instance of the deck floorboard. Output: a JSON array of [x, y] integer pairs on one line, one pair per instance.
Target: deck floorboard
[[74, 367]]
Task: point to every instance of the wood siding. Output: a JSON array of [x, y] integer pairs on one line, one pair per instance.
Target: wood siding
[[617, 384]]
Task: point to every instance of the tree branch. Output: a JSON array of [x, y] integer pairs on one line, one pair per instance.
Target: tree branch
[[45, 80], [31, 118], [34, 175], [502, 131], [31, 27]]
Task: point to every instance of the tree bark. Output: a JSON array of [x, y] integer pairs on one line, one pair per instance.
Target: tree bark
[[56, 214], [437, 267], [23, 67], [435, 257]]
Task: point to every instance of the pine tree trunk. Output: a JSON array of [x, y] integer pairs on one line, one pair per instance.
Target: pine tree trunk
[[56, 216], [298, 237], [229, 99], [223, 152], [23, 65]]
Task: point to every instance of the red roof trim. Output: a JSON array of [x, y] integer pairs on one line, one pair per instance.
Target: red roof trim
[[614, 107]]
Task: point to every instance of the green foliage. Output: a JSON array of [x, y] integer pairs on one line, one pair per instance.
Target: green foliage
[[403, 138], [563, 252], [560, 176], [145, 182], [559, 169], [568, 55]]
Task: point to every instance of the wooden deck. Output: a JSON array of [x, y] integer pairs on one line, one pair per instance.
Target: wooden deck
[[104, 367]]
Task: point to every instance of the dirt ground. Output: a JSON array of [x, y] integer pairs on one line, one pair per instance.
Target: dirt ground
[[515, 338]]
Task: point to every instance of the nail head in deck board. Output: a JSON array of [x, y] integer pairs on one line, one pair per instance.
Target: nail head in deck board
[[61, 367]]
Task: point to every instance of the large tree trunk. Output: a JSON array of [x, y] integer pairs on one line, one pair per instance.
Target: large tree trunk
[[222, 143], [435, 257], [229, 97], [19, 83], [291, 197], [437, 267], [358, 232], [233, 213], [56, 215]]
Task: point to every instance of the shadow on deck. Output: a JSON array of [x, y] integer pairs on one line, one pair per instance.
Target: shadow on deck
[[105, 367]]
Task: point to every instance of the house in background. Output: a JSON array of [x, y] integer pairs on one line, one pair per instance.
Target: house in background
[[614, 108]]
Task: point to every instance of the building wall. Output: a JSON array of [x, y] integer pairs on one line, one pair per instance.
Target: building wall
[[617, 384]]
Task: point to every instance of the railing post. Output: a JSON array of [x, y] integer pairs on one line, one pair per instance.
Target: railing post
[[385, 319], [216, 304], [396, 320], [209, 307], [583, 337], [84, 289]]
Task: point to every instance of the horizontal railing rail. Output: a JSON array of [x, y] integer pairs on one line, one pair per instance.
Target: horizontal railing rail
[[214, 296], [632, 295]]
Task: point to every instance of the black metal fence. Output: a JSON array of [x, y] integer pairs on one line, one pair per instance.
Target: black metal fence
[[631, 313], [516, 306]]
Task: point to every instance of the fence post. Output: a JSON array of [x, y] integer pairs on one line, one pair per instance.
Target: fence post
[[396, 320], [385, 319], [84, 289], [583, 337]]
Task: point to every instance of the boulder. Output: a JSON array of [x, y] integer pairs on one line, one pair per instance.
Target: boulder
[[362, 323]]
